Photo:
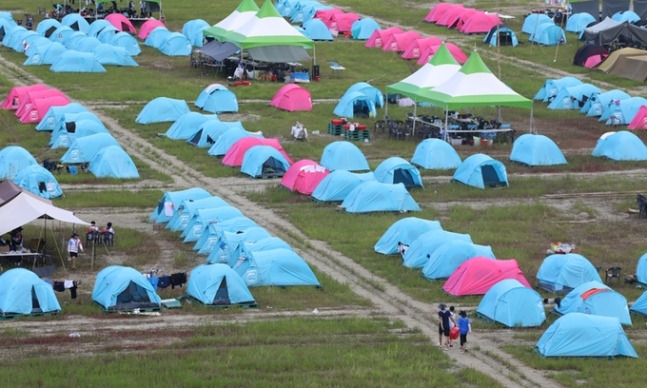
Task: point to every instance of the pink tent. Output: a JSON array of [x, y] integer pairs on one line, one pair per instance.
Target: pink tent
[[17, 93], [399, 42], [437, 11], [476, 275], [418, 45], [378, 36], [292, 97], [480, 23], [342, 22], [304, 176], [640, 119], [325, 15], [33, 95], [39, 108], [464, 17], [148, 26], [450, 17], [121, 23], [456, 52], [236, 153]]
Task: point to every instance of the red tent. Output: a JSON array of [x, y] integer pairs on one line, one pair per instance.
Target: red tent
[[17, 93], [399, 42], [39, 107], [476, 275], [292, 97], [480, 23], [236, 153], [304, 176], [148, 26], [640, 119], [416, 46], [429, 52], [437, 11], [378, 36], [121, 23], [342, 22]]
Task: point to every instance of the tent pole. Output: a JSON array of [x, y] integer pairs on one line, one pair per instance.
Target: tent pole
[[531, 121], [446, 134]]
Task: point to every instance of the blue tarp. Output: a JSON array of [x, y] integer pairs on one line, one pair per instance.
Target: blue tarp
[[373, 196], [421, 249], [446, 258], [13, 159], [435, 154], [84, 149], [113, 162], [19, 286], [564, 272], [536, 150], [343, 155], [583, 335], [218, 284], [261, 159], [117, 285], [186, 125], [162, 109], [338, 184], [406, 231], [595, 298], [276, 267], [621, 145], [480, 170], [171, 200], [512, 304], [397, 170], [38, 180]]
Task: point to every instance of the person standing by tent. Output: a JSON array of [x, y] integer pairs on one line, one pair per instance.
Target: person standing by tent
[[464, 327], [74, 246]]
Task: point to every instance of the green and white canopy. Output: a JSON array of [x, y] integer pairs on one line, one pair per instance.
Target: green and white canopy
[[246, 10], [473, 85], [440, 68]]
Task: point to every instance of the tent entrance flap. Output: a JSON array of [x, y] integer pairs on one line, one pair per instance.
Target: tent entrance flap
[[277, 54]]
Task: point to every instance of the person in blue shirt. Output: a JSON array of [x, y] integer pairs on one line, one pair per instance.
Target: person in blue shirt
[[464, 327]]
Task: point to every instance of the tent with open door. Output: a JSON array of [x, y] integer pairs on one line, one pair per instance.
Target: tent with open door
[[395, 170], [218, 285], [22, 292], [120, 288], [481, 171], [38, 180], [263, 161], [216, 98], [406, 231], [121, 23], [355, 104]]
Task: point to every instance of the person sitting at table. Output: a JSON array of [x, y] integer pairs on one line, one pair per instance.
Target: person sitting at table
[[15, 243]]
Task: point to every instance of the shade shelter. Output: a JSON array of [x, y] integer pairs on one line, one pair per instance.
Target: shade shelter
[[245, 11]]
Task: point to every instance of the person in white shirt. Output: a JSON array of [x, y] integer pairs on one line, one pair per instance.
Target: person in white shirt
[[74, 246]]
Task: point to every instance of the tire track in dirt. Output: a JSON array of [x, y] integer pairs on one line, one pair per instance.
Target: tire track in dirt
[[387, 298]]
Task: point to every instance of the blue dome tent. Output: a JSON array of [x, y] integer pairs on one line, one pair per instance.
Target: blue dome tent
[[621, 145], [218, 285], [162, 109], [355, 104], [211, 236], [373, 196], [209, 132], [85, 44], [203, 217], [189, 207], [480, 170], [500, 34], [548, 34], [216, 98], [421, 249], [228, 139], [230, 244], [76, 22], [397, 170], [626, 16], [640, 305], [108, 54], [175, 44], [598, 103], [84, 149], [583, 335], [119, 288], [370, 91], [446, 258], [577, 22], [127, 41], [38, 180], [510, 303], [24, 293], [435, 154], [72, 61], [336, 186], [573, 97], [193, 31], [405, 230], [276, 267], [536, 150], [264, 161], [343, 155], [45, 54], [552, 86], [157, 37], [113, 162], [315, 29], [623, 111], [533, 20], [63, 138], [363, 28], [641, 269], [13, 159], [595, 298], [47, 26], [171, 200], [564, 272], [185, 126], [57, 113]]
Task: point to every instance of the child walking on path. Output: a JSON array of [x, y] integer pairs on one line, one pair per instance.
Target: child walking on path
[[464, 327]]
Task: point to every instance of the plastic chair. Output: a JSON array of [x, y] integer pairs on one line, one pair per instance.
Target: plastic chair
[[613, 273]]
